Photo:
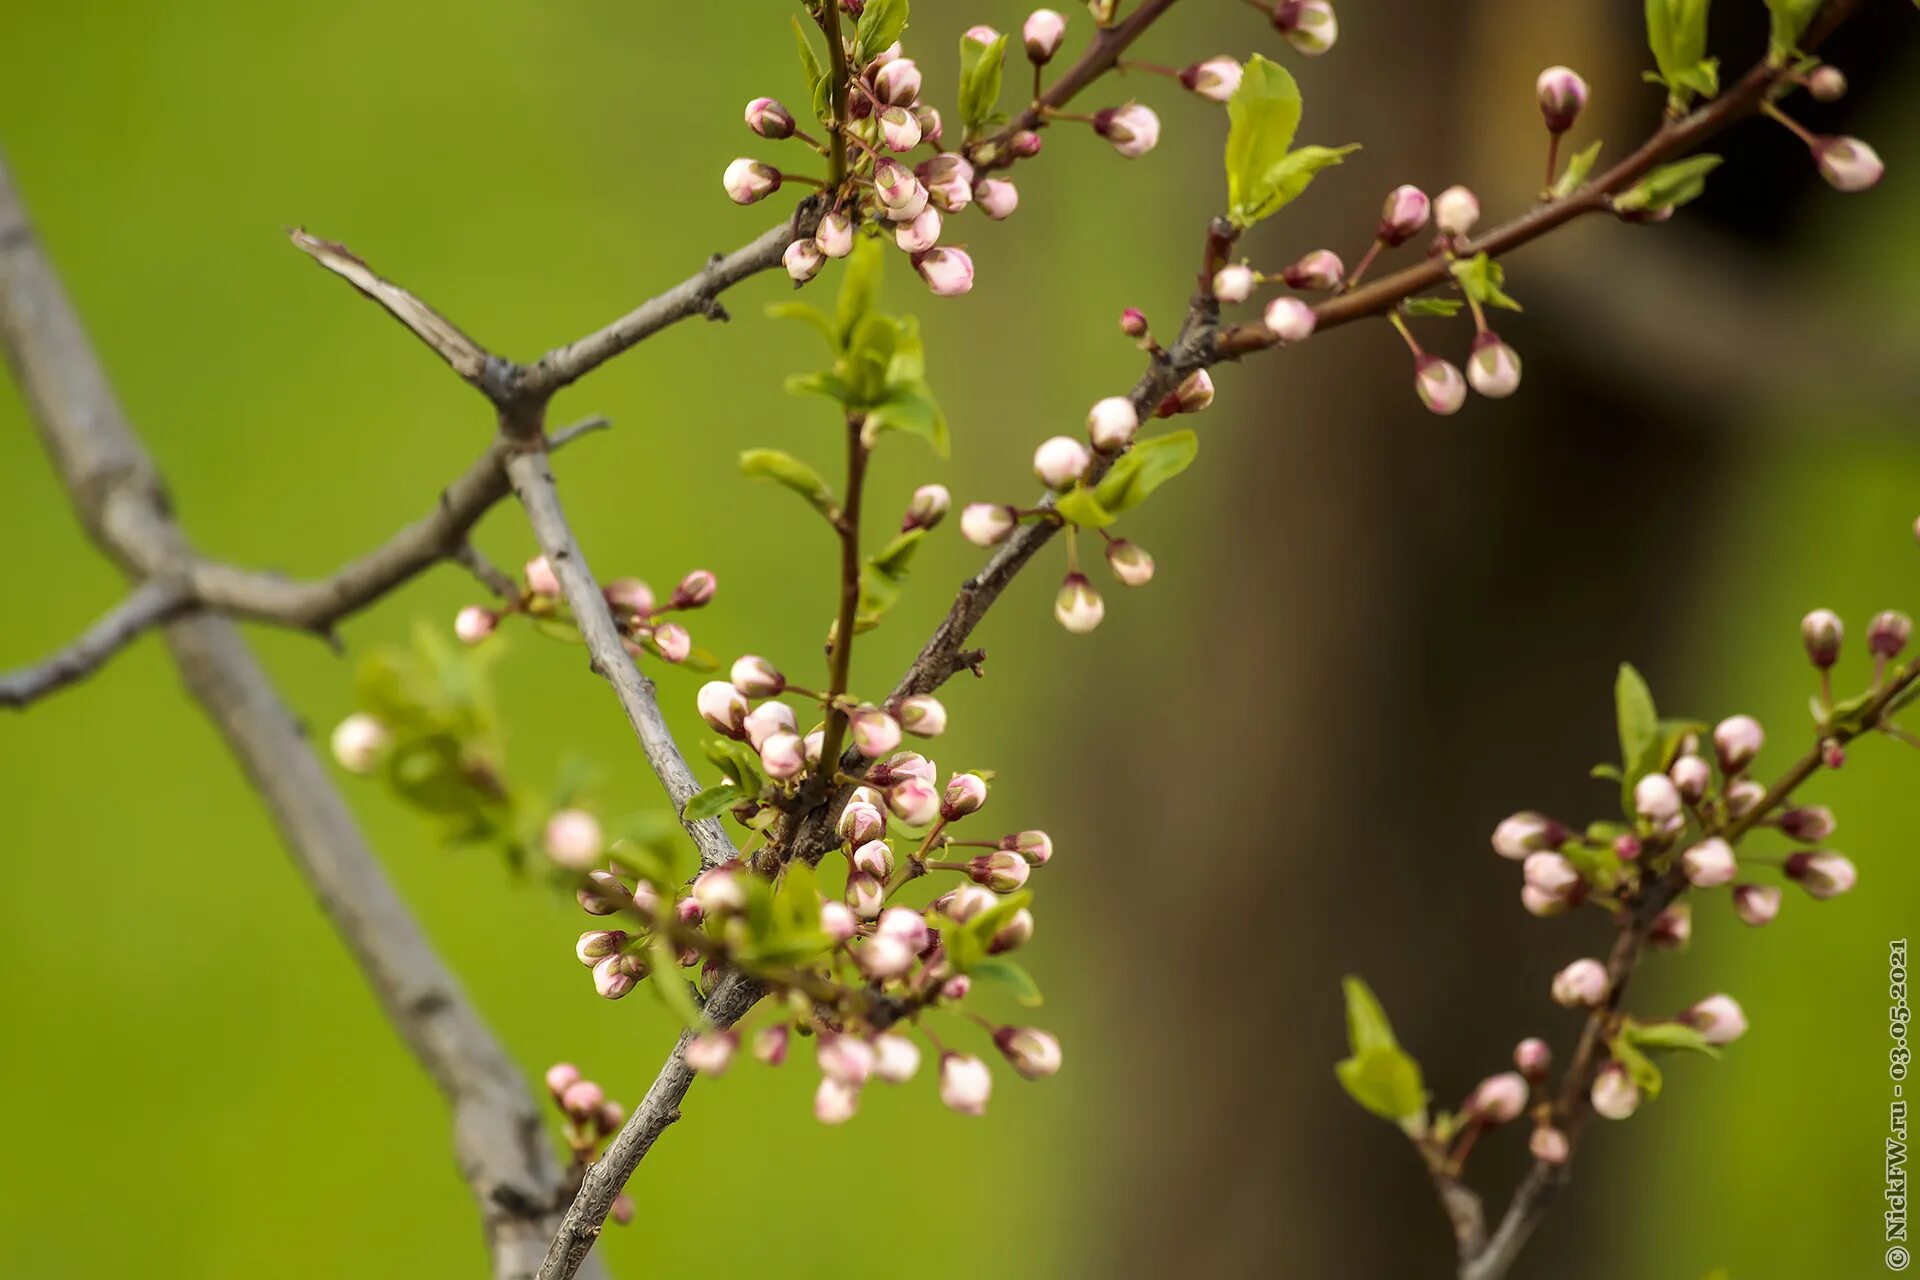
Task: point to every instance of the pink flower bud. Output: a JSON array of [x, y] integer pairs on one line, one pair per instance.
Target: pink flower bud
[[474, 624], [1822, 630], [923, 715], [1832, 754], [965, 1083], [965, 793], [1033, 1053], [964, 903], [1025, 144], [581, 1099], [1439, 385], [561, 1076], [755, 677], [695, 590], [783, 756], [955, 989], [770, 1044], [981, 34], [1655, 798], [1582, 984], [1615, 1096], [673, 641], [1756, 904], [1533, 1057], [766, 720], [1001, 871], [1811, 823], [1133, 323], [1888, 634], [722, 707], [835, 235], [1404, 213], [906, 924], [947, 272], [1551, 874], [1015, 933], [1672, 929], [1710, 863], [1455, 211], [845, 1058], [1233, 282], [605, 893], [914, 802], [615, 976], [1493, 367], [1549, 1145], [949, 181], [861, 822], [718, 891], [1133, 129], [1538, 902], [803, 260], [629, 595], [1563, 95], [835, 1101], [875, 857], [711, 1052], [837, 921], [1035, 846], [1498, 1099], [1060, 461], [1692, 776], [358, 742], [1527, 832], [1737, 740], [1043, 31], [1719, 1019], [1822, 875], [768, 118], [541, 580], [866, 895], [996, 197], [748, 181], [986, 523], [1290, 320], [1743, 795], [898, 127], [596, 945], [930, 126], [1827, 84], [1194, 394], [898, 83], [895, 1058], [875, 732], [1848, 164], [927, 508], [1130, 563], [1321, 269], [1111, 425], [1078, 606], [573, 839], [908, 764], [921, 233], [1216, 79], [883, 956]]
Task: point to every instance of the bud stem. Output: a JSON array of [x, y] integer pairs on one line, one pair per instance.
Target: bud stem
[[1553, 162], [1792, 125], [1373, 251], [1399, 322]]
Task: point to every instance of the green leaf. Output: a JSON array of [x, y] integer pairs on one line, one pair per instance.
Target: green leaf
[[672, 988], [811, 68], [867, 358], [713, 802], [1145, 467], [1481, 279], [1367, 1025], [796, 902], [1009, 973], [1432, 306], [883, 577], [819, 384], [967, 943], [894, 558], [1668, 1037], [1281, 185], [809, 314], [785, 469], [860, 281], [1262, 117], [912, 409], [1639, 728], [1669, 186], [1677, 35], [1387, 1082], [1081, 507], [980, 66], [1579, 165], [1639, 1066], [740, 762], [881, 23]]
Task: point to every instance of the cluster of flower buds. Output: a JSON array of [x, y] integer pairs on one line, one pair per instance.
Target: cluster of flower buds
[[632, 602], [590, 1118]]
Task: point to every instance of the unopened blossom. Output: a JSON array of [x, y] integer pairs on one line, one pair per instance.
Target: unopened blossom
[[1744, 795], [358, 742], [1538, 902], [965, 793], [803, 260], [604, 893], [1810, 823], [1756, 904], [1025, 144], [883, 956], [581, 1099], [1827, 84], [1111, 424], [573, 839], [899, 130], [474, 624], [1042, 33], [770, 1044], [965, 1083], [955, 989], [1719, 1019], [1308, 25], [695, 591], [560, 1077], [1527, 832], [721, 706], [1821, 631], [906, 924], [900, 193], [541, 579], [996, 197], [1550, 873], [1582, 984], [1822, 875], [1710, 863], [1692, 775], [768, 118], [766, 720], [835, 1101], [1672, 929], [755, 677], [895, 1058], [1455, 211], [1493, 367], [1000, 871], [949, 181], [914, 802], [1563, 95], [747, 181], [1033, 1053], [673, 642], [930, 126], [1549, 1145], [1655, 798], [907, 764], [1439, 385], [711, 1052], [1194, 394], [875, 857], [1133, 322], [1533, 1057], [1035, 846], [1500, 1098], [1321, 269], [922, 715], [1130, 563], [1132, 129], [783, 756], [596, 945], [875, 733], [1404, 212], [835, 235], [1015, 933], [964, 903], [947, 272], [844, 1057], [981, 34], [1060, 461], [919, 234], [616, 976], [1615, 1096], [837, 921], [1888, 634], [1233, 282], [1290, 320], [986, 523], [1738, 740], [1848, 164], [629, 595], [1077, 606], [866, 895], [898, 83], [927, 508], [1216, 79]]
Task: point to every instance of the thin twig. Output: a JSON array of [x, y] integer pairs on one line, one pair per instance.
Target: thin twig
[[150, 604]]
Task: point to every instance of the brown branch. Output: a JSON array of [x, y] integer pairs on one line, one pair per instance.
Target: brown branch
[[150, 604], [467, 357], [498, 1132]]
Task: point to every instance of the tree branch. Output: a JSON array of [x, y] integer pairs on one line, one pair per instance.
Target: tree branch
[[150, 604], [498, 1131]]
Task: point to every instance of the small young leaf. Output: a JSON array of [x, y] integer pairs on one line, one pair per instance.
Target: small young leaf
[[1639, 726], [1144, 468], [1367, 1025], [911, 408], [894, 558], [1579, 165], [1262, 117], [1002, 970], [785, 469], [1432, 306], [1669, 186], [808, 314], [712, 802], [1282, 184], [860, 282], [1386, 1081], [1677, 35], [980, 66], [1639, 1066], [819, 384], [810, 67], [1081, 507], [1668, 1037], [1481, 279], [881, 23]]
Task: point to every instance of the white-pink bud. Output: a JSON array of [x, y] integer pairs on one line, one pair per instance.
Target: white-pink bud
[[560, 1077], [947, 272], [474, 623], [1563, 95], [1002, 871], [1500, 1098], [919, 234], [1060, 461], [1822, 875], [1493, 367], [1403, 214], [1132, 129], [1719, 1019], [898, 127], [1738, 740], [1615, 1096], [722, 707], [875, 733], [1216, 79], [866, 895], [996, 197], [1655, 798], [1077, 606], [803, 260], [1756, 904], [769, 118], [898, 83], [1709, 863], [835, 1101], [1582, 984], [1550, 873], [1549, 1145], [1848, 164], [783, 756], [1533, 1057], [1822, 631], [923, 715], [1130, 563], [1321, 269], [949, 181], [1111, 425], [895, 1058], [615, 976], [844, 1057], [1527, 832], [1042, 32], [883, 956], [1692, 775], [1290, 319], [596, 945], [965, 1083], [711, 1052], [861, 822], [755, 677], [835, 235], [573, 839], [1439, 385], [914, 802], [358, 742], [986, 523], [1035, 846], [1308, 25], [837, 921], [1034, 1054], [1194, 394], [629, 595], [907, 925], [748, 180], [541, 580], [875, 857], [1455, 211], [965, 794], [673, 642], [1233, 282], [695, 590], [770, 1044], [766, 720]]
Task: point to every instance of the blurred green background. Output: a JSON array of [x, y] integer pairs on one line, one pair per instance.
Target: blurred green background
[[1374, 634]]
